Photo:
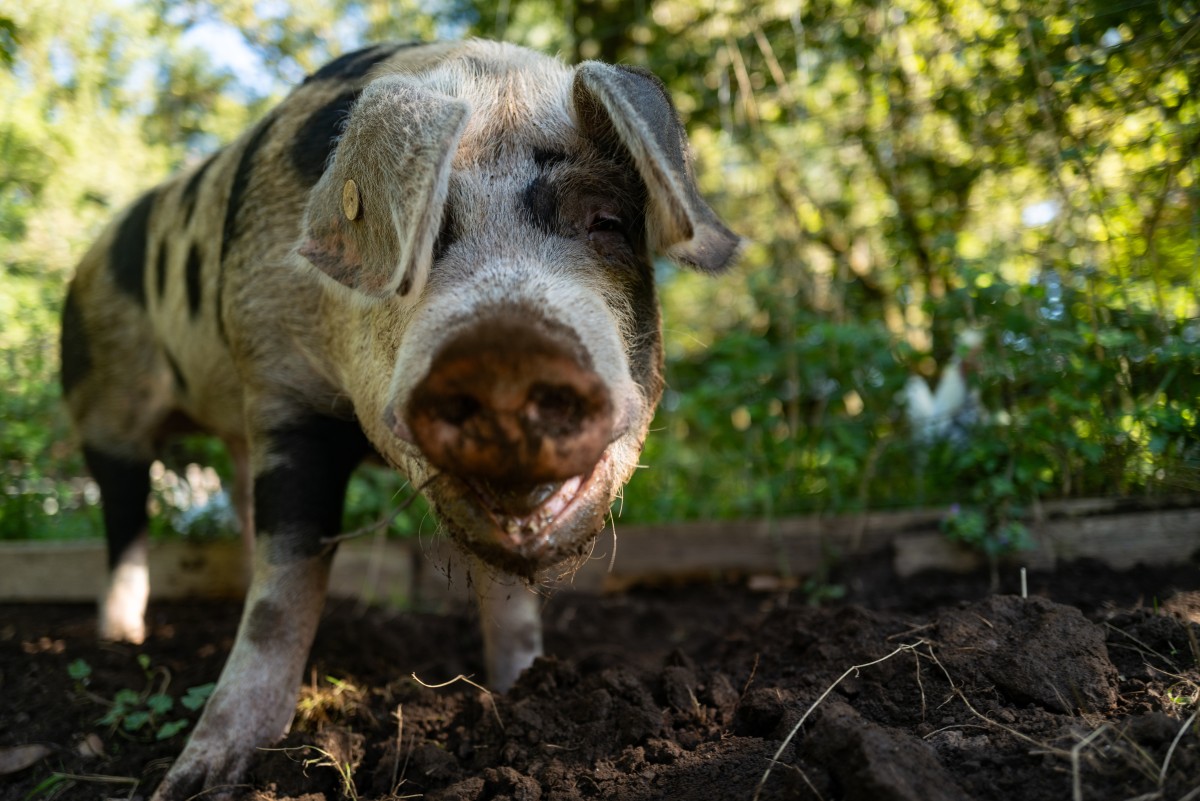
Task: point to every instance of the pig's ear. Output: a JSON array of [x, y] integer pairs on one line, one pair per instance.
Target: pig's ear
[[629, 107], [373, 216]]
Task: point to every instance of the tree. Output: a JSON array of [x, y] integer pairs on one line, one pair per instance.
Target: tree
[[902, 169]]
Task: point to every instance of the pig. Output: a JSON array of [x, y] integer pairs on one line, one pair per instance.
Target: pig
[[439, 255]]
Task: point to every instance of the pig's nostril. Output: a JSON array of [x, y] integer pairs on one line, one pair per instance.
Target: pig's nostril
[[458, 409], [507, 404], [558, 409]]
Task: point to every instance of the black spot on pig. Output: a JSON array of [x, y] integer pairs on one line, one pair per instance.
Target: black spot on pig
[[127, 257], [646, 355], [264, 621], [180, 379], [76, 358], [316, 139], [351, 66], [447, 234], [237, 195], [192, 188], [124, 484], [241, 184], [301, 498], [541, 201], [192, 275], [161, 270], [545, 159]]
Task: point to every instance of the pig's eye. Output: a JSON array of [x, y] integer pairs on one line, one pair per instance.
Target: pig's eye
[[602, 223], [608, 234]]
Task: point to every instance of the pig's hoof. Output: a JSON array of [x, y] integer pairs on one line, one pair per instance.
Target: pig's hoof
[[123, 607], [117, 627], [200, 779]]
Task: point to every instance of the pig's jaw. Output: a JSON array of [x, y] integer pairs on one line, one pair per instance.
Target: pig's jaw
[[558, 529]]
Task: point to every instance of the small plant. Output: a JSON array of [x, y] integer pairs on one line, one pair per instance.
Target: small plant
[[318, 704], [145, 711], [342, 753], [993, 535], [1185, 694], [343, 768], [971, 528], [80, 671]]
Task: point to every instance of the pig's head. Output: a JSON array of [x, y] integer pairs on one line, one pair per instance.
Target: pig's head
[[502, 211]]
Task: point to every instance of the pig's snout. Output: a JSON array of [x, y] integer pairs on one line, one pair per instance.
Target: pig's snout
[[514, 406]]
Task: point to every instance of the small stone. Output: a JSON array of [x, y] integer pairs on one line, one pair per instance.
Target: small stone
[[18, 757], [90, 746]]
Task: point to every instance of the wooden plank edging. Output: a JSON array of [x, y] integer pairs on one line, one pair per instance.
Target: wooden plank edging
[[1115, 531]]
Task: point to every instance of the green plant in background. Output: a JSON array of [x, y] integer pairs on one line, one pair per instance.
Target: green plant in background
[[989, 531], [41, 492], [375, 493], [142, 712], [903, 171], [815, 423], [191, 495]]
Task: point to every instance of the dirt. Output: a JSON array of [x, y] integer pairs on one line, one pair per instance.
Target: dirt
[[1088, 689]]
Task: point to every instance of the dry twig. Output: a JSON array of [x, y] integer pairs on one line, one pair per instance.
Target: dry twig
[[851, 670]]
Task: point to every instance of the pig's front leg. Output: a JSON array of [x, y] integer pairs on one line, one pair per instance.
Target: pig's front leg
[[256, 694], [297, 504], [510, 614]]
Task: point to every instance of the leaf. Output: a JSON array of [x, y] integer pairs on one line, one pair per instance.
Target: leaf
[[169, 730], [135, 721], [45, 785], [160, 703], [79, 670], [195, 697]]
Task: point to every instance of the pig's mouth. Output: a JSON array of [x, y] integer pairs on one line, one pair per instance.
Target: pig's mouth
[[527, 516], [526, 530]]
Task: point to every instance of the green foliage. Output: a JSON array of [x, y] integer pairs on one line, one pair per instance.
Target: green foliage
[[904, 171], [925, 168], [79, 670], [8, 41], [196, 697], [809, 417], [972, 528], [41, 489], [143, 712], [375, 492]]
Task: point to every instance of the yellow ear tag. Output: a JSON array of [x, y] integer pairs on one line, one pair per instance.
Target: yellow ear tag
[[351, 202]]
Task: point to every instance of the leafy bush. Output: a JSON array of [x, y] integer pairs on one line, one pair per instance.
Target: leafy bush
[[810, 416], [905, 171], [42, 493]]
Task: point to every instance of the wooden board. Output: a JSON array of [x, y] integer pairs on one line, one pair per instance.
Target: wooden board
[[75, 571], [429, 575]]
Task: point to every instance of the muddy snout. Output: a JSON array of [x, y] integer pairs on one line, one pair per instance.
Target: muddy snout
[[515, 408]]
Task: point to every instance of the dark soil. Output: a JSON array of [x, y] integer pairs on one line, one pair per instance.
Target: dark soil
[[672, 693]]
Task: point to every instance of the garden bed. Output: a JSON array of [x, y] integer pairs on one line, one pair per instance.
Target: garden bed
[[1088, 687]]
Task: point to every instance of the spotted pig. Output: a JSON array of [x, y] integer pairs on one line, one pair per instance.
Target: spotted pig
[[438, 254]]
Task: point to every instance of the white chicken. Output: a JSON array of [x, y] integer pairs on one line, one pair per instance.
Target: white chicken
[[945, 415]]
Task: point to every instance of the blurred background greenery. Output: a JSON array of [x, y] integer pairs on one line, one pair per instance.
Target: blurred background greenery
[[997, 197]]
